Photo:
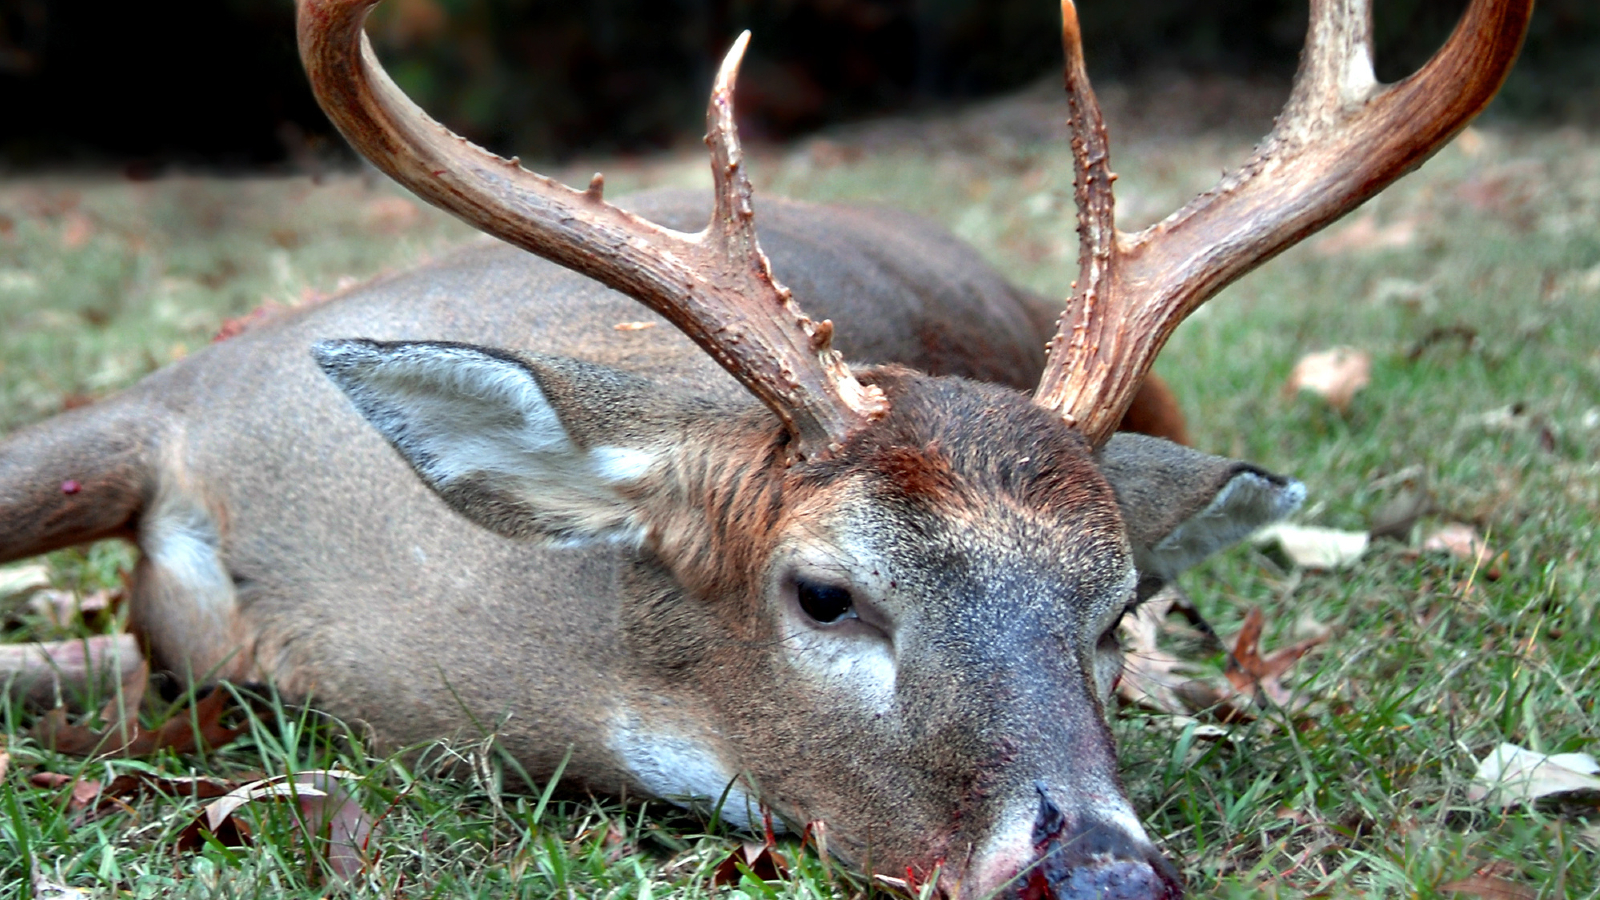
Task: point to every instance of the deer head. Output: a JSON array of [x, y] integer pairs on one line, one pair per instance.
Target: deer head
[[876, 599]]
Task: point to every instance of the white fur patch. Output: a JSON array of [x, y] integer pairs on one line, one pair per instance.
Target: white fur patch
[[458, 413], [181, 542], [191, 607], [1247, 502], [861, 666], [620, 464], [683, 771]]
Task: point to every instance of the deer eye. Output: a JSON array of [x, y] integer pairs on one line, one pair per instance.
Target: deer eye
[[825, 603]]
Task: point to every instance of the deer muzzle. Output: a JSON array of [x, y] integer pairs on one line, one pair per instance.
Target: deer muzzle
[[1077, 858]]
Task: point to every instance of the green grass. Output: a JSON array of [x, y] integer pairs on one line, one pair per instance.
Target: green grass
[[1431, 663]]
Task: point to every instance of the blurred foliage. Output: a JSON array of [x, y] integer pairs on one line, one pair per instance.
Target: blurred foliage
[[217, 80]]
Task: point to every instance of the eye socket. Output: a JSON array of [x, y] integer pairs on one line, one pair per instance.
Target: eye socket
[[825, 603]]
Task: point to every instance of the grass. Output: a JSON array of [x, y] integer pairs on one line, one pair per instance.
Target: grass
[[1474, 284]]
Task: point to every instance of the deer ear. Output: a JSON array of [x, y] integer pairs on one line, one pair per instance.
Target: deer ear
[[1180, 505], [489, 433]]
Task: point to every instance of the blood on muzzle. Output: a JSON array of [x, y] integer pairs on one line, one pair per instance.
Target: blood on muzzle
[[1088, 859]]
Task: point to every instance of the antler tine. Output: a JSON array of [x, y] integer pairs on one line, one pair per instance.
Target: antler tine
[[1341, 139], [715, 286]]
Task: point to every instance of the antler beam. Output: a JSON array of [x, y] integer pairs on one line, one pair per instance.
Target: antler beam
[[715, 286], [1341, 139]]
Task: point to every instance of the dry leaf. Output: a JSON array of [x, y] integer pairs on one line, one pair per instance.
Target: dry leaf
[[1512, 775], [1334, 375], [1490, 888], [763, 861], [1460, 541], [20, 579], [131, 786], [187, 731], [632, 326], [1311, 547], [1249, 672], [327, 811], [45, 889], [5, 763], [1152, 677], [1156, 679], [49, 779]]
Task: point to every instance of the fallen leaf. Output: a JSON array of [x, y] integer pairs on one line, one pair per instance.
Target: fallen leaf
[[1458, 540], [1334, 375], [49, 779], [1490, 888], [1158, 680], [632, 326], [188, 730], [1312, 547], [762, 860], [1250, 672], [45, 889], [5, 763], [1151, 677], [328, 813], [23, 578], [1510, 775], [116, 794]]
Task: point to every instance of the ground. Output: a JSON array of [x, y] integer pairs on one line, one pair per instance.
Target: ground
[[1473, 284]]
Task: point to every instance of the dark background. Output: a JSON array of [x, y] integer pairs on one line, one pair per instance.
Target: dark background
[[216, 82]]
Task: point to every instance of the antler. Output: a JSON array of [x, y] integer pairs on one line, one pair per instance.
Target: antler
[[1340, 139], [716, 286]]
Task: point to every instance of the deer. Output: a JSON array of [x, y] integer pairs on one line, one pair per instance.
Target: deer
[[715, 562]]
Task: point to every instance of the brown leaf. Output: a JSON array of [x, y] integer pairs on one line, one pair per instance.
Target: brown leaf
[[83, 793], [49, 779], [328, 813], [762, 859], [1490, 888], [199, 727], [5, 763], [1250, 672], [124, 788], [1461, 541], [1334, 375]]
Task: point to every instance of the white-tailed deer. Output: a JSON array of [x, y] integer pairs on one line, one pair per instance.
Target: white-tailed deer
[[867, 595]]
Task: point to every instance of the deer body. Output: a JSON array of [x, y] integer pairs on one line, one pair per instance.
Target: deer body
[[712, 559]]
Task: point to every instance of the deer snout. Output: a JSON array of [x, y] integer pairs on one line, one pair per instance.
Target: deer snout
[[1084, 857]]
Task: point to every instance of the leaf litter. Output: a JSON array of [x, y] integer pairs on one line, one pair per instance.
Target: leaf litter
[[1160, 680], [1515, 776], [198, 727], [326, 815]]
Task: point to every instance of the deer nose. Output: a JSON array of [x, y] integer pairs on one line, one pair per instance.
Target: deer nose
[[1086, 858]]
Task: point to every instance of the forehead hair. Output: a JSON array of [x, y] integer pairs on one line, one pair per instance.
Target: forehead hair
[[950, 446]]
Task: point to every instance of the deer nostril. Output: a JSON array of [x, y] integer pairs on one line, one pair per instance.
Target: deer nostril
[[1091, 859]]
